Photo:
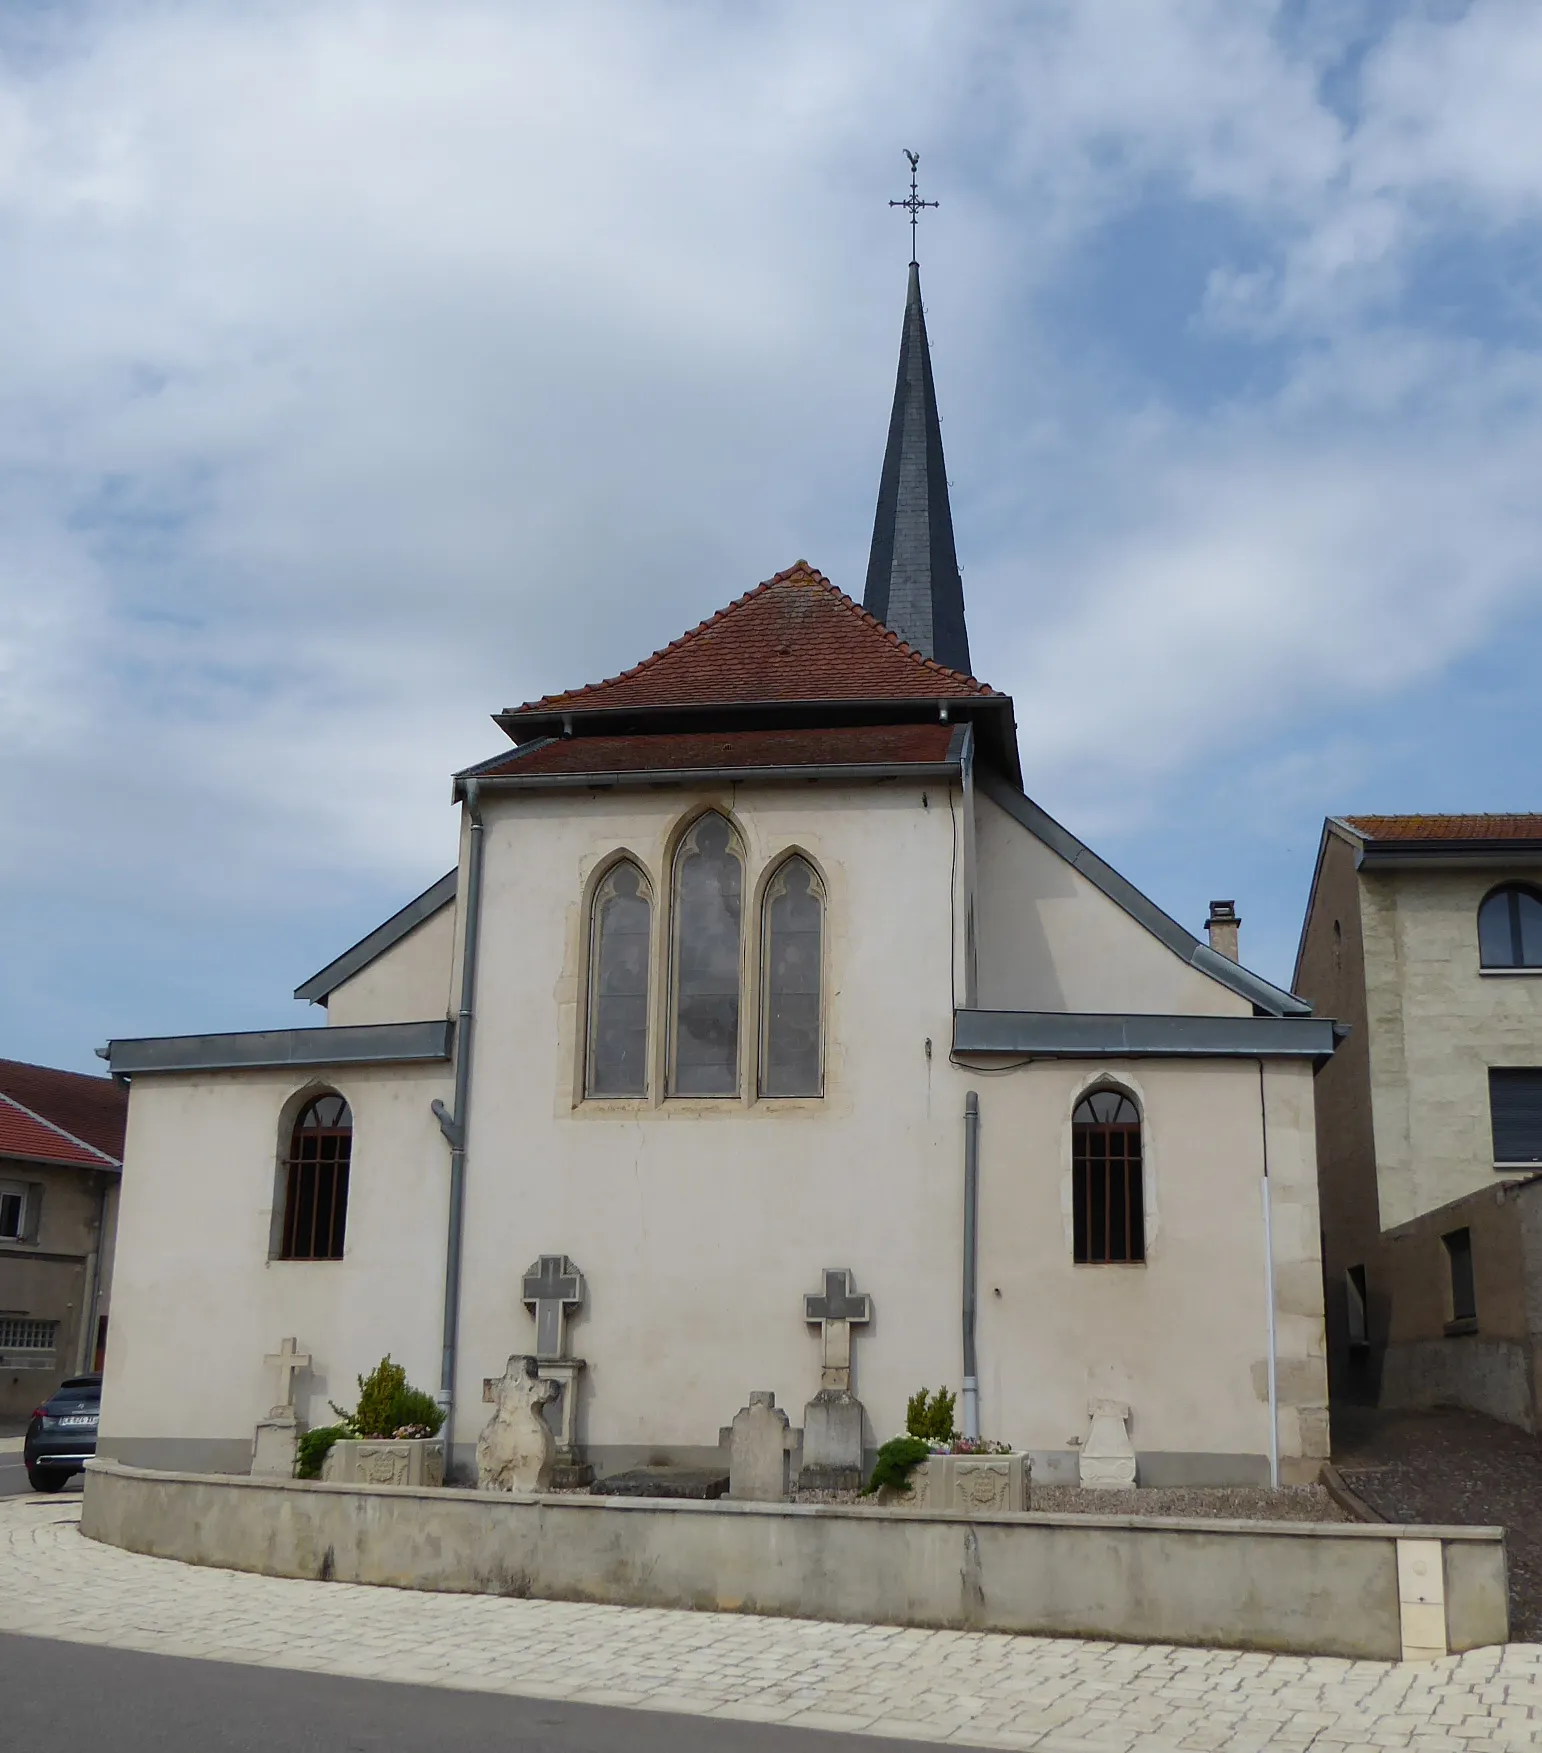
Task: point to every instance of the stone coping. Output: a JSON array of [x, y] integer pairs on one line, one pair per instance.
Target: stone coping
[[588, 1501]]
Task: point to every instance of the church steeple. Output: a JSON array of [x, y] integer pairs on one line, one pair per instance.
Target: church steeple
[[913, 585]]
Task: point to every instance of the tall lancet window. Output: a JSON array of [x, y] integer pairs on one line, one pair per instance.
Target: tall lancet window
[[790, 1058], [618, 985], [708, 921]]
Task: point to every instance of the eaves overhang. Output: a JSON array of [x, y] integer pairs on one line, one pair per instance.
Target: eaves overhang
[[991, 714], [269, 1049], [811, 774], [1038, 1034], [1450, 855], [317, 989]]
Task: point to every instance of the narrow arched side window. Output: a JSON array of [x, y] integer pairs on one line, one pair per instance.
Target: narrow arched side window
[[791, 1059], [1510, 928], [619, 934], [1107, 1192], [706, 961], [316, 1181]]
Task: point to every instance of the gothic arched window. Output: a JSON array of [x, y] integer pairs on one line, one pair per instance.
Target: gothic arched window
[[1510, 928], [619, 937], [1107, 1194], [708, 920], [316, 1181], [791, 1063]]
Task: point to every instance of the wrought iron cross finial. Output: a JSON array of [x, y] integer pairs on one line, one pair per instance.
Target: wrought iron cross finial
[[913, 204]]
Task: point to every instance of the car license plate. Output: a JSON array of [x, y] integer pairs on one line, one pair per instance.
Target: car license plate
[[79, 1419]]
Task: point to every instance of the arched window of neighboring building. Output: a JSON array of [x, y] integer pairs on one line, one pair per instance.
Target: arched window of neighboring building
[[1107, 1192], [791, 1063], [706, 961], [619, 937], [1510, 928], [316, 1182]]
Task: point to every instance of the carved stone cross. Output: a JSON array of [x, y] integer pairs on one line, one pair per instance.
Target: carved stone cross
[[553, 1287], [837, 1311], [288, 1360]]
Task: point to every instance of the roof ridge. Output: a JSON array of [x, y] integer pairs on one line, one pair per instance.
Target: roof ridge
[[53, 1125], [800, 570]]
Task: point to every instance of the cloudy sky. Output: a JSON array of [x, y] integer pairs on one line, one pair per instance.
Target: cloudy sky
[[370, 366]]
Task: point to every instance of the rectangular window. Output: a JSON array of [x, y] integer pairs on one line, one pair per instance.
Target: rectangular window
[[13, 1208], [1515, 1108], [20, 1334], [1464, 1302], [1107, 1196], [1354, 1296]]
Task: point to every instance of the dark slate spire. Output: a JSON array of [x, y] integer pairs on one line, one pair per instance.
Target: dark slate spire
[[913, 585]]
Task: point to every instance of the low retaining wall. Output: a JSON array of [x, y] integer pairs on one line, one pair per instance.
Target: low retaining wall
[[1305, 1588]]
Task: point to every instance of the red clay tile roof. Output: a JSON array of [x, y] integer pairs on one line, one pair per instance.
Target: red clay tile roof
[[795, 637], [857, 745], [23, 1134], [92, 1109], [1447, 827]]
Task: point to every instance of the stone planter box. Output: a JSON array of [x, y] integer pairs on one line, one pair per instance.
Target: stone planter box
[[982, 1483], [385, 1461]]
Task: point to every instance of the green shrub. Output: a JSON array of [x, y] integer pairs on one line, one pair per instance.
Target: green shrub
[[896, 1460], [930, 1417], [314, 1448], [387, 1403]]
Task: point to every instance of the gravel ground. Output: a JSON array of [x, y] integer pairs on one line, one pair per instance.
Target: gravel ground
[[1291, 1503], [1449, 1466]]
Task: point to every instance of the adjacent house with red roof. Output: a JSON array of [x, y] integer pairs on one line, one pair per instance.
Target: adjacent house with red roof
[[1424, 935], [61, 1157], [765, 1035]]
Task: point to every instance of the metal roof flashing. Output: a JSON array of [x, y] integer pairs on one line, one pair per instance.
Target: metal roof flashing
[[320, 986]]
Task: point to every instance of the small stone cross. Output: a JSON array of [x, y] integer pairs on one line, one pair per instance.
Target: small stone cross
[[552, 1288], [837, 1311], [288, 1360]]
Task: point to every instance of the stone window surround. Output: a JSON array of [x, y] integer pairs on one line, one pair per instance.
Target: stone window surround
[[758, 880], [1127, 1085]]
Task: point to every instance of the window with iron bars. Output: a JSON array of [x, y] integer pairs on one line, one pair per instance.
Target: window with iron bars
[[316, 1181], [1108, 1219]]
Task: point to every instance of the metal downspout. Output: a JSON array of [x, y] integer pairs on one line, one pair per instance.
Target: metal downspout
[[971, 1269], [453, 1124]]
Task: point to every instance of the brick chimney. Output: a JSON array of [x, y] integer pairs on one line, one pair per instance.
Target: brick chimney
[[1222, 927]]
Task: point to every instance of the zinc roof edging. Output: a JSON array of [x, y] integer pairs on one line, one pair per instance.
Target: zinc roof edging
[[374, 944]]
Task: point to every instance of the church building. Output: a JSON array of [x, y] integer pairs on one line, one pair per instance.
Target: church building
[[766, 1036]]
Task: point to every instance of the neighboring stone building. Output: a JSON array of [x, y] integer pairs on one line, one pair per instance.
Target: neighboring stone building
[[810, 1056], [61, 1152], [1424, 935]]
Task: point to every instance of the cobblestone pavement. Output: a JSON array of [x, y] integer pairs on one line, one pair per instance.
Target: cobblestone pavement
[[1449, 1466], [978, 1689]]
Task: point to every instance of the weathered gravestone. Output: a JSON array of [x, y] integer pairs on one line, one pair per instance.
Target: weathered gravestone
[[1108, 1457], [277, 1439], [516, 1449], [833, 1420], [759, 1451], [552, 1289]]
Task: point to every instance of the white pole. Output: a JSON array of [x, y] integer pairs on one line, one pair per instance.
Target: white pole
[[1273, 1362]]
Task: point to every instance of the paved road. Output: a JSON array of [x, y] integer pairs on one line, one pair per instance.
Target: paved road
[[69, 1695], [13, 1475], [536, 1660]]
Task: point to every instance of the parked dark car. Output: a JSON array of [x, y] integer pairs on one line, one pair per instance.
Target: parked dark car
[[61, 1436]]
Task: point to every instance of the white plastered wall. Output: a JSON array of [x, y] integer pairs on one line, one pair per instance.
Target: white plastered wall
[[409, 983], [1052, 940]]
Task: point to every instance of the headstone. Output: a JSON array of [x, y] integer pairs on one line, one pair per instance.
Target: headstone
[[759, 1446], [276, 1442], [833, 1421], [516, 1449], [1108, 1457], [552, 1288]]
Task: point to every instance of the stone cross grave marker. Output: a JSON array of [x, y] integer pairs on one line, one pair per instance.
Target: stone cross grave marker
[[837, 1311], [288, 1360], [553, 1287]]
